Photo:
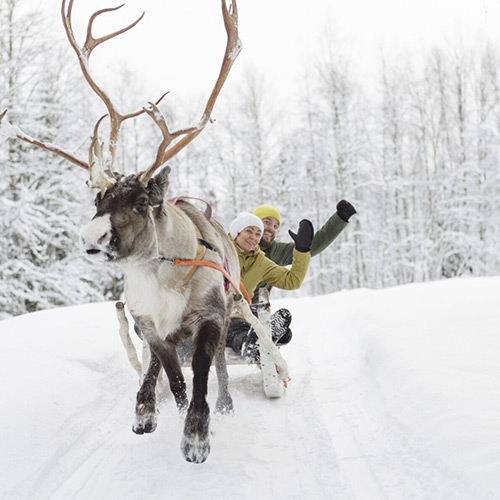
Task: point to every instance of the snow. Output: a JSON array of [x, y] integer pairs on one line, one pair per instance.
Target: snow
[[9, 131], [395, 394]]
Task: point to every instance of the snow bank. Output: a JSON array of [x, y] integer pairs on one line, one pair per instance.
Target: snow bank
[[394, 395]]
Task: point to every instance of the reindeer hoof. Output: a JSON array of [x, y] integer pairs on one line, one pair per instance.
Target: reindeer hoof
[[145, 422], [224, 406], [195, 450], [195, 443], [145, 427]]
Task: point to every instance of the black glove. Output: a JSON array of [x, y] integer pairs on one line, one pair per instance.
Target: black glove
[[345, 210], [303, 238]]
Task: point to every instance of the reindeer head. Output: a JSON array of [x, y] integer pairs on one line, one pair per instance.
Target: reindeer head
[[124, 222]]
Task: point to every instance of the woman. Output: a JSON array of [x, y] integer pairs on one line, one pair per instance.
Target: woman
[[246, 232]]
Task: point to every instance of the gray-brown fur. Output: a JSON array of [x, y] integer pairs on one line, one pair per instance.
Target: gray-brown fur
[[137, 229]]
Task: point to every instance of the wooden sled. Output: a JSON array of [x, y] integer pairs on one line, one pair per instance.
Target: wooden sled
[[272, 365]]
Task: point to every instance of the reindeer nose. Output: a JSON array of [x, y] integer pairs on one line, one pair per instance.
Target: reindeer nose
[[102, 238], [87, 246], [97, 233]]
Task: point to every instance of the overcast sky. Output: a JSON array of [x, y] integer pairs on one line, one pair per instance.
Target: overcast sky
[[178, 45]]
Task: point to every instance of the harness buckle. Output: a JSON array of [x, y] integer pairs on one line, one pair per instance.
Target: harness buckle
[[161, 258]]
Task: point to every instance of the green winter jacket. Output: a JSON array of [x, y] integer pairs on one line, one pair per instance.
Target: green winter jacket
[[282, 253], [255, 267]]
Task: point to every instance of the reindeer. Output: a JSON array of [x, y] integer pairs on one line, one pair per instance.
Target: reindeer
[[137, 228]]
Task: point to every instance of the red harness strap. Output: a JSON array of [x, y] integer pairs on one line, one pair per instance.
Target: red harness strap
[[186, 262]]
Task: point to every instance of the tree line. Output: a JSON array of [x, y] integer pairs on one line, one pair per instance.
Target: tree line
[[415, 152]]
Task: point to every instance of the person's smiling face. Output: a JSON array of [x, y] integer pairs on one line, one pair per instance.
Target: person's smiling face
[[271, 226], [249, 238]]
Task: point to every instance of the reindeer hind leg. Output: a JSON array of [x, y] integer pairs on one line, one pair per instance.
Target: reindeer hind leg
[[224, 404]]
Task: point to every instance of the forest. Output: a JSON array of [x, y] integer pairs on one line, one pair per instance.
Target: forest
[[416, 154]]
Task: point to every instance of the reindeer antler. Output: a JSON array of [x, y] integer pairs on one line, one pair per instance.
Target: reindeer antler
[[10, 130], [167, 150], [102, 176], [99, 167]]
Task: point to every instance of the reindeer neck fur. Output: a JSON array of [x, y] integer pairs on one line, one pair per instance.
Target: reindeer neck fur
[[145, 293], [177, 235]]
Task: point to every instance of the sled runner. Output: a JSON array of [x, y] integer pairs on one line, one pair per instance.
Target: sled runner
[[272, 365], [274, 386]]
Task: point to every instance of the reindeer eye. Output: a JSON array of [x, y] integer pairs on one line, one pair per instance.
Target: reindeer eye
[[97, 199], [141, 205]]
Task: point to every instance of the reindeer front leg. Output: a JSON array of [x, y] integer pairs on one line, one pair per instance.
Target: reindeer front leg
[[163, 354], [145, 408], [166, 351], [196, 440]]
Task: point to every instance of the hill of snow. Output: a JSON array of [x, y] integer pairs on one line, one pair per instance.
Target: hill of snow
[[395, 394]]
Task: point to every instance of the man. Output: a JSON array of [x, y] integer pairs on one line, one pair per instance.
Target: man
[[282, 253]]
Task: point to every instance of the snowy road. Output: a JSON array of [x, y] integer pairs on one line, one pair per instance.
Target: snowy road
[[338, 433]]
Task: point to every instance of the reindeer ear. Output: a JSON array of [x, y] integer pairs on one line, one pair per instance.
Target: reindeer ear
[[158, 186]]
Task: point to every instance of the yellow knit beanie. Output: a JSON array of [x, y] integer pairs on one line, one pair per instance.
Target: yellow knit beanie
[[263, 211]]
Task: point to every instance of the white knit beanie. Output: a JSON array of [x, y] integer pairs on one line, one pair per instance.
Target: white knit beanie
[[244, 220]]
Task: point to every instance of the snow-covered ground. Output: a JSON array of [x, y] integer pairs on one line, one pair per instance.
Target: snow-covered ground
[[395, 394]]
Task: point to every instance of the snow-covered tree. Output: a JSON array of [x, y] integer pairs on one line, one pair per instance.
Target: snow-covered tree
[[416, 154], [43, 199]]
